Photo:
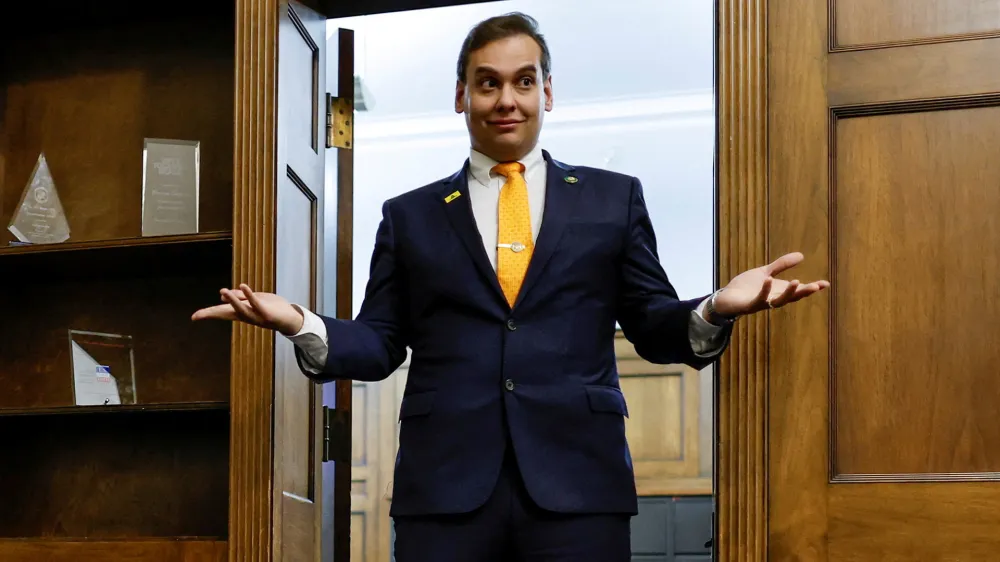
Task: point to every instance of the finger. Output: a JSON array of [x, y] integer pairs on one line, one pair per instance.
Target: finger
[[243, 310], [807, 290], [784, 262], [785, 296], [236, 292], [765, 291], [218, 312], [812, 288], [254, 301]]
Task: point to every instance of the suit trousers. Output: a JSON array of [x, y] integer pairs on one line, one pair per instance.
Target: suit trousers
[[510, 527]]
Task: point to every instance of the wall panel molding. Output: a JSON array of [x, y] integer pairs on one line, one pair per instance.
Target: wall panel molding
[[741, 404], [252, 388]]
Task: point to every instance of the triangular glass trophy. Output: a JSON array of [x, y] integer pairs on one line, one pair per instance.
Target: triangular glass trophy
[[39, 218]]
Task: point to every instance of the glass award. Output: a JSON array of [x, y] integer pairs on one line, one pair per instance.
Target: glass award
[[170, 178], [103, 369], [39, 218]]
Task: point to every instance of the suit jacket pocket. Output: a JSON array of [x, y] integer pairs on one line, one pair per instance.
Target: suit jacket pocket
[[418, 404], [606, 399]]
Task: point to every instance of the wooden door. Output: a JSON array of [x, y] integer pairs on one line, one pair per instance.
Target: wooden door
[[301, 147], [878, 400]]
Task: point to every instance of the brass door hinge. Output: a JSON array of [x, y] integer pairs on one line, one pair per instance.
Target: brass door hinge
[[336, 434], [339, 122]]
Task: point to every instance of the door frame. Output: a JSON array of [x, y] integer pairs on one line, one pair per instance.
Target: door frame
[[741, 69], [741, 407]]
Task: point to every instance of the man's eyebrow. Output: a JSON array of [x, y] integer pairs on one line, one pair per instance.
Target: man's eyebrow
[[485, 69]]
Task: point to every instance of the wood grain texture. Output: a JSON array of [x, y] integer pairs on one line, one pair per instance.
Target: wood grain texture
[[864, 24], [252, 392], [914, 73], [916, 393], [36, 369], [114, 475], [798, 423], [87, 95], [121, 551], [882, 172], [298, 434], [742, 244], [84, 484], [904, 522]]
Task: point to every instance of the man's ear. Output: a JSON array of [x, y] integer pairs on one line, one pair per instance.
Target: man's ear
[[547, 88], [460, 97]]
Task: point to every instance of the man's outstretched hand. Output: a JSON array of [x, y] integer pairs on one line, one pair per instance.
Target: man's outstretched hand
[[757, 289], [266, 310]]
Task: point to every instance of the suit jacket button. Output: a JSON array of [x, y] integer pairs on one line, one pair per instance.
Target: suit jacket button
[[511, 325], [508, 384]]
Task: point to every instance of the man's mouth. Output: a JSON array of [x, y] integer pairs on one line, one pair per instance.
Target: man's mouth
[[505, 123]]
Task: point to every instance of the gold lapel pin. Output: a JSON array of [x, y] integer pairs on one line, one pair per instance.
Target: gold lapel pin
[[570, 179], [452, 197]]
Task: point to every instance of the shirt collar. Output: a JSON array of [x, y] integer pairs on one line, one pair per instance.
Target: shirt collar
[[480, 164]]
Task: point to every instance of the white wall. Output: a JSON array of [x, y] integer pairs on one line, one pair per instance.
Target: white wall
[[633, 93]]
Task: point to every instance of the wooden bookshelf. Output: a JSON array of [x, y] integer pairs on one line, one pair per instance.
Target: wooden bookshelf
[[113, 410], [146, 480], [117, 243], [220, 456], [133, 257], [153, 550]]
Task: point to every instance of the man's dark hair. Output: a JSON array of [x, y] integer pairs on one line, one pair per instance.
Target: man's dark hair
[[502, 27]]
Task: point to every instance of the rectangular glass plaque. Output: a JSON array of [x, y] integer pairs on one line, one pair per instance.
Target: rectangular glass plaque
[[103, 369], [39, 218], [170, 184]]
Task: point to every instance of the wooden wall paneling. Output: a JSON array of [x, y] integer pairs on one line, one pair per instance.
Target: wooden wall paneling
[[798, 168], [876, 164], [365, 465], [742, 379], [663, 427], [254, 235], [859, 24], [920, 72], [913, 395]]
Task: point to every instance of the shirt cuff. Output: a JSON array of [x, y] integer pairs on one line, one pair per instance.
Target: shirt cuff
[[707, 339], [311, 340]]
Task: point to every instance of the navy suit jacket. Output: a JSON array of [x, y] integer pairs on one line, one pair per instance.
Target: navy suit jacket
[[540, 375]]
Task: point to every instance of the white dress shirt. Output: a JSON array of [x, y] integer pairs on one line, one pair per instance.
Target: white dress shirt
[[484, 195]]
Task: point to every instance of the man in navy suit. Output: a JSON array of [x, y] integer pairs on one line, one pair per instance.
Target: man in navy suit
[[506, 280]]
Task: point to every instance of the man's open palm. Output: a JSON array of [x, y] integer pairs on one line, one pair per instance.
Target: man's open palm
[[266, 310], [757, 289]]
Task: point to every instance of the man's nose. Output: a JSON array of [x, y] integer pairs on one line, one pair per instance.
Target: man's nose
[[506, 101]]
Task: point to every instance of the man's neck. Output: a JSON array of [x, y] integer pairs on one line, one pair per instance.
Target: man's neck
[[482, 164], [510, 157]]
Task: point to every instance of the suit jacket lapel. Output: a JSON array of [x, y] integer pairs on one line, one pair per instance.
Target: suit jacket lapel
[[459, 212], [561, 194]]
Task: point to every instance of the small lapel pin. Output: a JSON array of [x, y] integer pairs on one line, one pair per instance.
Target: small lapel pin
[[452, 197], [570, 179]]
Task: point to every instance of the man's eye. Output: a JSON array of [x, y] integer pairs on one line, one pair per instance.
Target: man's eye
[[527, 81], [488, 83]]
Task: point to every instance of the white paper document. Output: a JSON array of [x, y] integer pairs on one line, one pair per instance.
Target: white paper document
[[93, 383]]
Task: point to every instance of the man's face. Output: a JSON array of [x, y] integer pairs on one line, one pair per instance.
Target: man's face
[[502, 97]]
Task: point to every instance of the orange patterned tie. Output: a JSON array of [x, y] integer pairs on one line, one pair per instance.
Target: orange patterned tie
[[514, 241]]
